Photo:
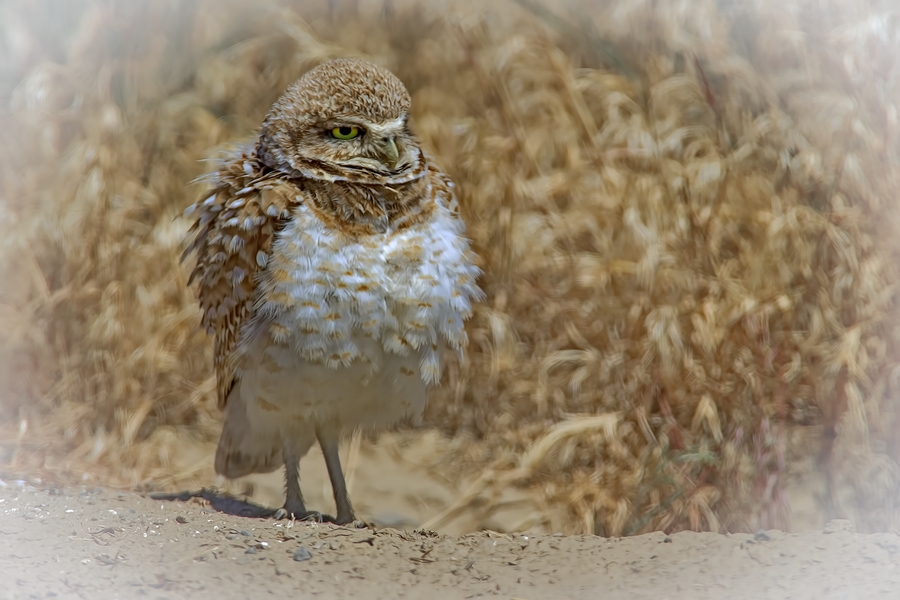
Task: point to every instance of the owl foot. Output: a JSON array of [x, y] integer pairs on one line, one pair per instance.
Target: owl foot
[[346, 519], [312, 516]]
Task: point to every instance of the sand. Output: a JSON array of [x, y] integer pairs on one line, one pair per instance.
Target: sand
[[102, 543]]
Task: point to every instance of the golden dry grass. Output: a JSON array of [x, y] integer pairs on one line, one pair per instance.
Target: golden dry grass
[[686, 212]]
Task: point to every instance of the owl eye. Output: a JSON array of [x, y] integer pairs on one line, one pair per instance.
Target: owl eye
[[345, 133]]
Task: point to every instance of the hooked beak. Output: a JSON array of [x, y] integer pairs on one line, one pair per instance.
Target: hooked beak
[[389, 153]]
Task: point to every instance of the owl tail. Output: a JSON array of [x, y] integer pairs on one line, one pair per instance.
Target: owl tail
[[242, 448]]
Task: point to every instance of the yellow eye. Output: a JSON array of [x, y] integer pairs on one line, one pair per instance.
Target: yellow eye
[[345, 133]]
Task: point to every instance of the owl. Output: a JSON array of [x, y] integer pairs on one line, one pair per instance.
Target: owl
[[332, 270]]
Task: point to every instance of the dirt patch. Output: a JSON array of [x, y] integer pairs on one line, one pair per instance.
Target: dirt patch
[[100, 543]]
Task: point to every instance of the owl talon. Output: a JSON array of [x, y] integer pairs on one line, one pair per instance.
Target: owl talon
[[310, 516], [314, 516]]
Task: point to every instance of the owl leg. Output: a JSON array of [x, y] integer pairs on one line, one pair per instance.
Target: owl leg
[[329, 446], [293, 502]]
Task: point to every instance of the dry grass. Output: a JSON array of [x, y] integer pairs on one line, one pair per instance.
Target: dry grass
[[686, 212]]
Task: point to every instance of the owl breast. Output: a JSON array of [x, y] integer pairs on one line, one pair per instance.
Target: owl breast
[[335, 299]]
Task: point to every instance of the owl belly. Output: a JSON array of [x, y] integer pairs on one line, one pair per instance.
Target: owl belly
[[284, 392]]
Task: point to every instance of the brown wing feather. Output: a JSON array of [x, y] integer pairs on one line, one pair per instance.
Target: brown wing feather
[[236, 223]]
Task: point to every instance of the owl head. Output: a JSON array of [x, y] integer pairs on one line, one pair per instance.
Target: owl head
[[345, 120]]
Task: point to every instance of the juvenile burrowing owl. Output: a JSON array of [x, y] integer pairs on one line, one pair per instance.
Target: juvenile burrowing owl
[[332, 270]]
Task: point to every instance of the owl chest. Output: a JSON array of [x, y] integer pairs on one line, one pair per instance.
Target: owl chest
[[336, 299]]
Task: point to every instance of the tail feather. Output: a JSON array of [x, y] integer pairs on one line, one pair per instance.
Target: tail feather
[[243, 450]]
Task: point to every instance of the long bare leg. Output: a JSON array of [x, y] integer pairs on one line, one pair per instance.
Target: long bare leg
[[293, 502], [333, 462]]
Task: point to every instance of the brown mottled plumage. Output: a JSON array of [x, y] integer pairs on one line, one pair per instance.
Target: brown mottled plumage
[[331, 268]]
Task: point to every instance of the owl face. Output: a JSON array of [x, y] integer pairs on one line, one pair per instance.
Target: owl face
[[355, 143], [344, 120]]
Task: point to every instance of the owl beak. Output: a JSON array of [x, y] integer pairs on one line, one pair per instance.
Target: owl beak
[[389, 153]]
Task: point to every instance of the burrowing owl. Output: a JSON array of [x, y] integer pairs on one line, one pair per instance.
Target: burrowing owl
[[332, 270]]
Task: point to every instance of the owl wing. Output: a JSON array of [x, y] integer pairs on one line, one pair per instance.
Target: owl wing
[[235, 225], [442, 187]]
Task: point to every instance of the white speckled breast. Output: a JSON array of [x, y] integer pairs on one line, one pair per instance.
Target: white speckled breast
[[325, 291]]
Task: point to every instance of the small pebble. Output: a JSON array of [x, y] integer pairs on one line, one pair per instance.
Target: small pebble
[[302, 553], [250, 550], [762, 536]]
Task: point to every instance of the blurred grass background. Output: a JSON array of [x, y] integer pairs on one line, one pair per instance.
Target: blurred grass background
[[686, 211]]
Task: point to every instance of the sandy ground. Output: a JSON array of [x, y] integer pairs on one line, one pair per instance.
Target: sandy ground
[[100, 543], [396, 480]]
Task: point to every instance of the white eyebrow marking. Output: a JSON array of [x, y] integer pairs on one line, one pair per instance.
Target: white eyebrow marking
[[385, 126]]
